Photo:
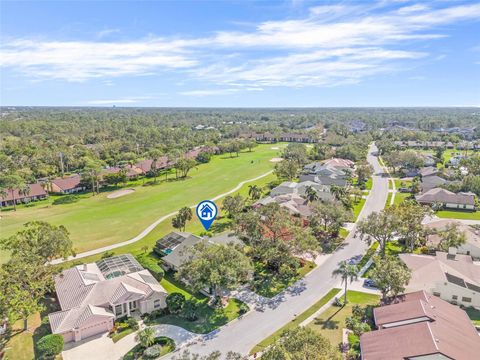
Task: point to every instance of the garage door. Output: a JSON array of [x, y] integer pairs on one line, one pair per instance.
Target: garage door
[[95, 329], [67, 337]]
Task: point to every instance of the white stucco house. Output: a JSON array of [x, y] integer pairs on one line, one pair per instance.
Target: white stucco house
[[472, 235], [93, 295], [452, 277]]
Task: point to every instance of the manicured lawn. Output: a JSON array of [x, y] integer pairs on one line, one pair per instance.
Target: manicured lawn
[[458, 214], [208, 320], [295, 322], [168, 345], [96, 221], [357, 208], [343, 233], [21, 345], [270, 286], [402, 183], [194, 226], [399, 198], [474, 315], [120, 335], [331, 322], [368, 184]]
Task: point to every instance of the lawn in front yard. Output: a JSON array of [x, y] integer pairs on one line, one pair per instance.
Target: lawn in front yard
[[209, 318], [331, 322], [357, 208], [268, 285], [295, 322], [458, 214], [97, 221], [21, 344]]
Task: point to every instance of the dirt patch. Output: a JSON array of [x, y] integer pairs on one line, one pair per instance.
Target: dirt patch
[[119, 193], [275, 160]]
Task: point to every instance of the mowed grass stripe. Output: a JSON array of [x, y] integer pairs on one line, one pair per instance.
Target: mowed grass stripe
[[97, 221]]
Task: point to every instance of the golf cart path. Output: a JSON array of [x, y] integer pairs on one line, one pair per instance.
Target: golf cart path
[[153, 225]]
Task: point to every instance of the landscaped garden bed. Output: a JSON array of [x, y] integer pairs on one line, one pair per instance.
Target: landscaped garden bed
[[167, 346]]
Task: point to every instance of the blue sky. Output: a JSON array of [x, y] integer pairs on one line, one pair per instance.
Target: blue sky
[[240, 54]]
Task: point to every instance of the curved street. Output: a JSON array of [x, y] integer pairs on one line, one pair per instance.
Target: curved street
[[243, 334]]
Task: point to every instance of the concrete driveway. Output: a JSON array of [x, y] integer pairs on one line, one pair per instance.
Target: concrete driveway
[[103, 348]]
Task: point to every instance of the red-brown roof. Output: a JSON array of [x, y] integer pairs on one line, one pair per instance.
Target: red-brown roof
[[68, 183], [446, 331], [35, 190]]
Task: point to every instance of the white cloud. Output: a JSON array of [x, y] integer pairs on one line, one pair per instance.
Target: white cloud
[[329, 46]]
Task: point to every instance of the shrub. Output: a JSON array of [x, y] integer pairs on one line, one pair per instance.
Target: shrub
[[132, 323], [66, 199], [204, 157], [175, 302], [243, 308], [152, 265], [50, 345], [152, 352], [190, 309]]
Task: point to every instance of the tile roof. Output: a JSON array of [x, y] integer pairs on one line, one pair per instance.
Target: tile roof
[[63, 321], [85, 285], [339, 163], [447, 330], [472, 234], [445, 196], [432, 269], [68, 183], [35, 190]]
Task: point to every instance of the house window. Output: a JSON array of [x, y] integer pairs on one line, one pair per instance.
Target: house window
[[436, 294], [156, 304], [454, 297], [466, 299], [118, 310]]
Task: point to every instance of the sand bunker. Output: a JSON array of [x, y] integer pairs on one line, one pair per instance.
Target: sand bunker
[[119, 193], [275, 148], [275, 160]]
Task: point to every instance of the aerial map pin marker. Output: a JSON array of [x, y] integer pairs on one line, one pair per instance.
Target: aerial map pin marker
[[206, 212]]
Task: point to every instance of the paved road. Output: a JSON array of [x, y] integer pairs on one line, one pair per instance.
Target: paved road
[[153, 225], [242, 334]]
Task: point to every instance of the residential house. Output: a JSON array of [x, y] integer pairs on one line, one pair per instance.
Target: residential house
[[432, 182], [472, 234], [356, 126], [175, 248], [131, 171], [325, 174], [67, 185], [35, 192], [419, 326], [447, 199], [451, 276], [428, 171], [93, 295]]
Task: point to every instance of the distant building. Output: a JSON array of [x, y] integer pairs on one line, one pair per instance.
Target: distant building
[[67, 185], [448, 199], [419, 326], [34, 192]]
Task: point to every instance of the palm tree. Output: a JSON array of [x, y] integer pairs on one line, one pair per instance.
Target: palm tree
[[146, 337], [347, 272], [311, 194], [254, 192], [338, 191], [155, 154]]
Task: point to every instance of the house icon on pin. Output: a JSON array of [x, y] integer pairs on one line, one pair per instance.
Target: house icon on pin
[[206, 211]]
